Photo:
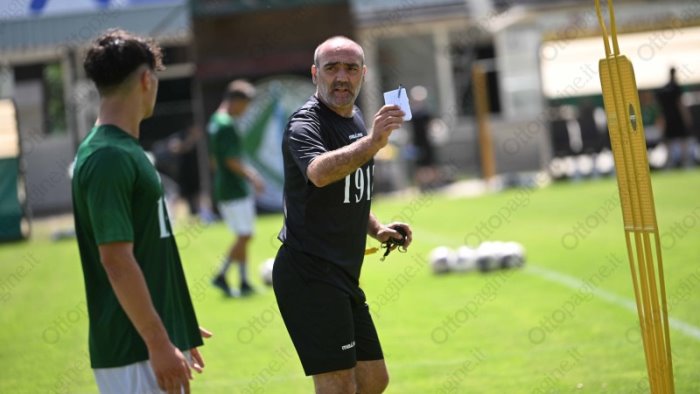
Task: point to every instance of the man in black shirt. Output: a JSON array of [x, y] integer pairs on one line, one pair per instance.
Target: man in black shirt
[[328, 170], [426, 172], [676, 118]]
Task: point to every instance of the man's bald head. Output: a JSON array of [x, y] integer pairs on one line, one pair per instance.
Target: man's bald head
[[337, 43], [338, 73]]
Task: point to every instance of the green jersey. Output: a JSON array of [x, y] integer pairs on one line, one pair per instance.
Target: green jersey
[[225, 143], [118, 197]]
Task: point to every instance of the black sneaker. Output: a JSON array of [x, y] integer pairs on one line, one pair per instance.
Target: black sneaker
[[246, 289], [220, 282]]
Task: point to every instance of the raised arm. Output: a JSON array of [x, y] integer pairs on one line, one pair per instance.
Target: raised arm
[[335, 165], [238, 167]]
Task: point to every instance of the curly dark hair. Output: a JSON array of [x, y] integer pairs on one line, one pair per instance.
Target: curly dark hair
[[115, 54]]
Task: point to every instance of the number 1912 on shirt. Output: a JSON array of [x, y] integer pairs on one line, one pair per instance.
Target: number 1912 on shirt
[[358, 185]]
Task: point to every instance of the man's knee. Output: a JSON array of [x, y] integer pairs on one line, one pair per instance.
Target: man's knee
[[372, 378], [375, 386], [385, 380], [342, 382]]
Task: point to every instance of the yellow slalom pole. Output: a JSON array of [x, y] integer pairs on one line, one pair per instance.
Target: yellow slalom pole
[[481, 107], [642, 238]]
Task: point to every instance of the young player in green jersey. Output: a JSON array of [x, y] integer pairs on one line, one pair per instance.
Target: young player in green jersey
[[231, 190], [143, 333]]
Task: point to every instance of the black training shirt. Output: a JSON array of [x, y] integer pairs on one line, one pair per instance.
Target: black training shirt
[[329, 222]]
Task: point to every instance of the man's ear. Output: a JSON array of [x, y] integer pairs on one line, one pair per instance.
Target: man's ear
[[146, 80], [314, 70]]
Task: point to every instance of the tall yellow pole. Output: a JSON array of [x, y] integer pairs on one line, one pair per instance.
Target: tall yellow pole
[[642, 239], [482, 112]]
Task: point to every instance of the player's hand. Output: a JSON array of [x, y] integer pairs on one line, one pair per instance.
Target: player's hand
[[388, 231], [197, 359], [171, 368], [388, 119], [205, 333]]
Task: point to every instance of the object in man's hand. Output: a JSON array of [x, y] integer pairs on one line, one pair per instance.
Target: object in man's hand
[[400, 98], [401, 241], [393, 242]]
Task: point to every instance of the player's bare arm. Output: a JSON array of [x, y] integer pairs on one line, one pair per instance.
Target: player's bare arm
[[236, 166], [337, 164], [382, 233], [170, 366]]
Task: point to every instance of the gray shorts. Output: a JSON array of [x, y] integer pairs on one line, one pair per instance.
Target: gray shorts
[[136, 378]]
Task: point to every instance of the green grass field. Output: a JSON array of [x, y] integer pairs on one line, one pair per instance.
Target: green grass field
[[562, 324]]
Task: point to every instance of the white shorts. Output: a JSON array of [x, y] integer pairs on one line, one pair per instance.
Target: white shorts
[[239, 215], [137, 378]]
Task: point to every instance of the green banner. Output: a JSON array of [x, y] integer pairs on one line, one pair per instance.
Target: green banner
[[10, 207], [263, 126]]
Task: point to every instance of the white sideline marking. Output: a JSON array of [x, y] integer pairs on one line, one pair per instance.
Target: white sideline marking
[[575, 283]]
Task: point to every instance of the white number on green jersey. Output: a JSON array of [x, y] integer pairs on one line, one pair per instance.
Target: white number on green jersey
[[358, 185], [162, 217]]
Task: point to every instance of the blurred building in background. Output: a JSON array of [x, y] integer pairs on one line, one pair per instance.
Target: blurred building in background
[[539, 61], [537, 57], [42, 45]]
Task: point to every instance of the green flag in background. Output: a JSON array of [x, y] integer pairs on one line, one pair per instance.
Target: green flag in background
[[10, 208], [262, 128], [11, 212]]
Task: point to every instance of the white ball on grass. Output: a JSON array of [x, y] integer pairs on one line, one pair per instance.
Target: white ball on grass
[[514, 255], [487, 256], [442, 259], [266, 271], [465, 260]]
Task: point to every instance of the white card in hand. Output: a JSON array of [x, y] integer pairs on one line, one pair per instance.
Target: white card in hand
[[399, 97]]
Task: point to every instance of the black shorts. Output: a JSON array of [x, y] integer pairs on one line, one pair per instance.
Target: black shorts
[[325, 313]]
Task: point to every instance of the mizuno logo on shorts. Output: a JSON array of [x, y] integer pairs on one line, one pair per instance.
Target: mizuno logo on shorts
[[348, 346]]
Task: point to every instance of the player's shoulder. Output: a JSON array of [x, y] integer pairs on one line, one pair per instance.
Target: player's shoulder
[[311, 110], [220, 121], [306, 118], [107, 141], [109, 153], [111, 156], [222, 117], [107, 160]]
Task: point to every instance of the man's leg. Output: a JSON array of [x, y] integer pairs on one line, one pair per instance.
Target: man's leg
[[319, 319], [244, 226], [220, 281], [675, 153], [336, 382], [239, 217], [239, 254], [371, 377], [368, 377], [239, 249]]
